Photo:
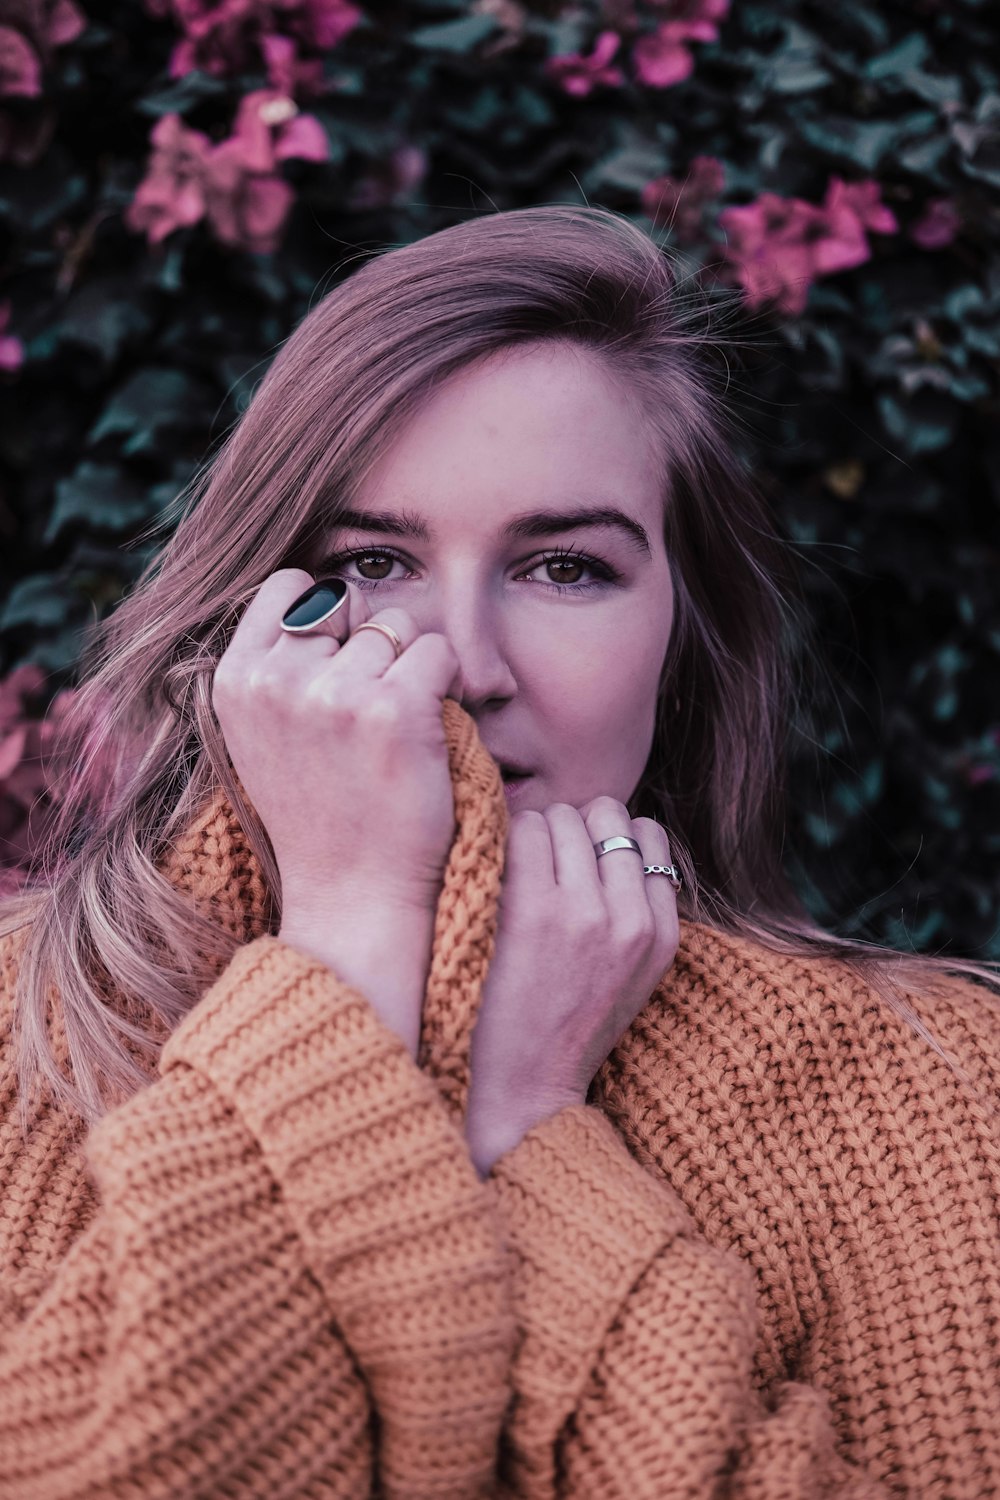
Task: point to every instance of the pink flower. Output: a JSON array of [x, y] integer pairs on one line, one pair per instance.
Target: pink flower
[[11, 349], [849, 209], [29, 33], [287, 72], [24, 786], [319, 24], [767, 242], [224, 37], [20, 65], [234, 184], [938, 225], [779, 246], [218, 36], [579, 74], [679, 204], [172, 194], [661, 58]]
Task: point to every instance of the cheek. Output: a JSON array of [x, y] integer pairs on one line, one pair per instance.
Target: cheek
[[605, 693]]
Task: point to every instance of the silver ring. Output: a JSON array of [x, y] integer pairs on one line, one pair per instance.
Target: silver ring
[[606, 845]]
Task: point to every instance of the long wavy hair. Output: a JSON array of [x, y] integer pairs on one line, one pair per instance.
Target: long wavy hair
[[144, 744]]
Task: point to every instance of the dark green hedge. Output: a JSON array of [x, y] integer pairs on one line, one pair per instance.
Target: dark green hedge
[[841, 163]]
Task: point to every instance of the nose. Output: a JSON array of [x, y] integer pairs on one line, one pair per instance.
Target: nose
[[473, 624]]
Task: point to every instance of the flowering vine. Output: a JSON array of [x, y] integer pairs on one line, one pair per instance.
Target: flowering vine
[[235, 184]]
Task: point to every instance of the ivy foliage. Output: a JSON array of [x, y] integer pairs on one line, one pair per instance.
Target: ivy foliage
[[840, 163]]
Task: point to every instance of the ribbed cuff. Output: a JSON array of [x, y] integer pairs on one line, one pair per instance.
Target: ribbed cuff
[[340, 1110], [583, 1221]]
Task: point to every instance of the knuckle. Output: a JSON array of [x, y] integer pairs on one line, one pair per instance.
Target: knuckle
[[592, 920], [379, 712], [340, 708], [265, 685], [222, 679], [637, 932], [281, 587]]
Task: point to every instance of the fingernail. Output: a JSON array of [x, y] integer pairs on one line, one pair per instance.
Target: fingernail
[[318, 602]]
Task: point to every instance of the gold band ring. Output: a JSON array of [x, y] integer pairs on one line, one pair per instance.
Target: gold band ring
[[387, 631]]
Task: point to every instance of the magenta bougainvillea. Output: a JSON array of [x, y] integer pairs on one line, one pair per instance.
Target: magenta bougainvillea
[[938, 224], [226, 37], [778, 246], [578, 74], [234, 184], [30, 31], [26, 786], [11, 349], [660, 58], [663, 58]]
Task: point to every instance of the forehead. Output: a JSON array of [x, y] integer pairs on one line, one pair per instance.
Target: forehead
[[546, 427]]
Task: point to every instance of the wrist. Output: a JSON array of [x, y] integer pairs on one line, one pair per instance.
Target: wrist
[[492, 1132], [385, 955]]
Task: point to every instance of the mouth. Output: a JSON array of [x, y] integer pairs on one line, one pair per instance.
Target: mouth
[[513, 774]]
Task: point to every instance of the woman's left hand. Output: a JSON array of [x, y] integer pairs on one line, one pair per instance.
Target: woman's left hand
[[581, 944]]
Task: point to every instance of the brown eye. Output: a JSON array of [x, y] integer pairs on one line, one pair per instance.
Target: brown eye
[[571, 563], [382, 559]]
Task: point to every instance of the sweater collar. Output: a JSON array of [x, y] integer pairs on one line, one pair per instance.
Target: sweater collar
[[214, 864]]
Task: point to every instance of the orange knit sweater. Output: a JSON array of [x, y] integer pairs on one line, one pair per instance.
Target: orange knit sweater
[[763, 1263]]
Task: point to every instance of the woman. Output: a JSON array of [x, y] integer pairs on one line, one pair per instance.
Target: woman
[[380, 1121]]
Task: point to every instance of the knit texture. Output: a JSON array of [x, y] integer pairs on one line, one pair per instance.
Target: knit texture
[[762, 1263]]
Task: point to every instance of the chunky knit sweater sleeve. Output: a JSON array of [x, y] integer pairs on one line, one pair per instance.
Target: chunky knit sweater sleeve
[[290, 1252], [636, 1340]]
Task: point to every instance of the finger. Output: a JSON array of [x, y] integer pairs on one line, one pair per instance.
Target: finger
[[260, 625], [619, 870], [429, 665], [655, 842], [529, 861], [294, 651], [370, 653], [572, 850]]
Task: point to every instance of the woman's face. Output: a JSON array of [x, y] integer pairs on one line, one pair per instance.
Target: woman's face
[[561, 681]]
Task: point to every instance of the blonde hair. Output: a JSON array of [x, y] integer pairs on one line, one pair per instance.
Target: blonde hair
[[143, 743]]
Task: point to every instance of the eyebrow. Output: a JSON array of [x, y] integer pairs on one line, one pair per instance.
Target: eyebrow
[[529, 524]]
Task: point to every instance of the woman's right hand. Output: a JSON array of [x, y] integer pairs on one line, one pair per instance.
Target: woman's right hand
[[341, 749]]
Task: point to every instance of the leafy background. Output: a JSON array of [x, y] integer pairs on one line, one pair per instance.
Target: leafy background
[[179, 182]]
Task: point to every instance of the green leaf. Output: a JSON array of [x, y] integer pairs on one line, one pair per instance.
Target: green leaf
[[99, 497], [632, 167], [455, 36], [907, 54], [795, 67], [101, 318], [864, 143], [189, 91], [923, 425], [40, 601], [152, 402]]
